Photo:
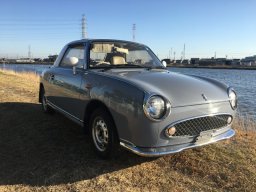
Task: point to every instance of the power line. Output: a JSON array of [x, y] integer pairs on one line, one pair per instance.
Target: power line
[[38, 23], [39, 40], [39, 20], [39, 27], [37, 35]]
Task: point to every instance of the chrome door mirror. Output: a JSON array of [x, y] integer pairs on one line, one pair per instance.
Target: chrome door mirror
[[164, 63], [71, 61]]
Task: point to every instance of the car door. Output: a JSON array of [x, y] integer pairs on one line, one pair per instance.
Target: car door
[[67, 84]]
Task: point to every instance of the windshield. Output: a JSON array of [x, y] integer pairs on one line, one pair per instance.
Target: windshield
[[122, 54]]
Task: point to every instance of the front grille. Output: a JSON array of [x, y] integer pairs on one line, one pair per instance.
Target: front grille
[[194, 127]]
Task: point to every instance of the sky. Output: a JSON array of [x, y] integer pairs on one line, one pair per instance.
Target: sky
[[226, 28]]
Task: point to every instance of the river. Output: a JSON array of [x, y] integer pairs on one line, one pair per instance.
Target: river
[[243, 81]]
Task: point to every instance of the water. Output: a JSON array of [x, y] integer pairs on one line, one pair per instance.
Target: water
[[243, 81], [37, 68]]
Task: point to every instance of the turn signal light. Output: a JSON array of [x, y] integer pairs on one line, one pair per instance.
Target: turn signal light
[[229, 120], [170, 131]]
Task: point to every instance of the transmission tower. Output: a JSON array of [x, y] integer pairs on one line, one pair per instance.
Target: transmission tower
[[133, 32], [84, 32]]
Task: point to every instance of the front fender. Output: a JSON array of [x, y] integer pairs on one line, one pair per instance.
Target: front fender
[[125, 103]]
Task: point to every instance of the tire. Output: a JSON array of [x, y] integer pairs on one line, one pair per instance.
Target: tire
[[103, 134], [46, 108]]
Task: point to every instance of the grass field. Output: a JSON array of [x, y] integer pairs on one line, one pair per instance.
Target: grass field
[[40, 152]]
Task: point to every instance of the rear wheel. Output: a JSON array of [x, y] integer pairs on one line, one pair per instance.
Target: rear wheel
[[103, 134], [46, 108]]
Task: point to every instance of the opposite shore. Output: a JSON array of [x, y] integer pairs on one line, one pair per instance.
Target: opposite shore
[[173, 65], [215, 67]]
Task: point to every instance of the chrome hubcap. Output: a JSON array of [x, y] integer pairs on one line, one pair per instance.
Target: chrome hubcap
[[100, 134]]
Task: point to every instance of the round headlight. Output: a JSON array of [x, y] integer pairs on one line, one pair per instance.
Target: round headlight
[[156, 107], [232, 98]]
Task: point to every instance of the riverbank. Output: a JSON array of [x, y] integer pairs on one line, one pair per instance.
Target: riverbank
[[39, 152], [215, 67]]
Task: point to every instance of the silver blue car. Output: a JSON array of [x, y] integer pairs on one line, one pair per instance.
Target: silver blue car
[[122, 94]]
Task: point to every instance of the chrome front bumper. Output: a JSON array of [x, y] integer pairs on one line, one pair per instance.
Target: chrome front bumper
[[160, 151]]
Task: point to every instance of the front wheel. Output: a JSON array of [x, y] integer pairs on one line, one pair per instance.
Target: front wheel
[[103, 134], [46, 108]]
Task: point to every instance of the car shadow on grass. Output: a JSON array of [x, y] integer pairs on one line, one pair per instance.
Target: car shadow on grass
[[39, 150]]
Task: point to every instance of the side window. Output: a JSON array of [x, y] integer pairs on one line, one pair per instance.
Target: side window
[[74, 51]]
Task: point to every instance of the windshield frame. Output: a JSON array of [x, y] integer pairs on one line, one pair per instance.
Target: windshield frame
[[155, 59]]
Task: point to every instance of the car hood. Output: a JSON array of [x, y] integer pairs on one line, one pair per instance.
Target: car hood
[[179, 89]]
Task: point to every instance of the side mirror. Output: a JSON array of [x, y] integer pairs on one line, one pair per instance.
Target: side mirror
[[71, 61], [164, 63]]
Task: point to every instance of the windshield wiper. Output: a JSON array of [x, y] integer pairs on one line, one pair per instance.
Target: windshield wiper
[[143, 66], [108, 67], [155, 67], [131, 65]]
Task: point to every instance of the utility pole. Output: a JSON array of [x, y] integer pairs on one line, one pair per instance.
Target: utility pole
[[29, 52], [133, 32], [184, 49], [84, 33], [215, 55], [174, 55]]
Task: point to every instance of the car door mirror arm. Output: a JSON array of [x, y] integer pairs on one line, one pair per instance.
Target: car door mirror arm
[[74, 70]]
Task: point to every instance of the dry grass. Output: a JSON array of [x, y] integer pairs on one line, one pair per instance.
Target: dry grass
[[39, 152], [18, 87]]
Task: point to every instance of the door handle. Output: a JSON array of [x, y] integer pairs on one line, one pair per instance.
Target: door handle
[[51, 77]]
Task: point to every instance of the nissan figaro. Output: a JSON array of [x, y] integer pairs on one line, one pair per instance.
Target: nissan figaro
[[122, 94]]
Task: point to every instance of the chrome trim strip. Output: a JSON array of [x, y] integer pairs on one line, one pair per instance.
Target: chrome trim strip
[[125, 141], [228, 134], [231, 89], [63, 111], [206, 103]]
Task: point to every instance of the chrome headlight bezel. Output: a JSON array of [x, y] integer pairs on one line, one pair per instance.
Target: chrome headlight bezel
[[232, 98], [166, 111]]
